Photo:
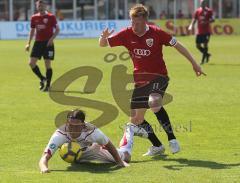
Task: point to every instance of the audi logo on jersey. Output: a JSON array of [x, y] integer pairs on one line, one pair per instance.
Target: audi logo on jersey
[[142, 52]]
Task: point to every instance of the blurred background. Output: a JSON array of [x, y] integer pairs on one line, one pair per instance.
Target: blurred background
[[21, 10], [87, 18]]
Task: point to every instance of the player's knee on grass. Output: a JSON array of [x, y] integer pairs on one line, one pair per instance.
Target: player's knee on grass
[[155, 102]]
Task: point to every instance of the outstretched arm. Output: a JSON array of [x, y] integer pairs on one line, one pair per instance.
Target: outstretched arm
[[181, 49], [43, 163], [113, 151]]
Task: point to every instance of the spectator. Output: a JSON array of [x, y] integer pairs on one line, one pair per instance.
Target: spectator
[[59, 14], [152, 13], [16, 14], [180, 14], [120, 14], [163, 15]]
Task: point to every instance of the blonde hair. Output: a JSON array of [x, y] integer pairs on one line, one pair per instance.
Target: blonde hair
[[139, 10]]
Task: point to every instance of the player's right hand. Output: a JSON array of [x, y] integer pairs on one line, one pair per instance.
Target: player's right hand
[[45, 170], [105, 33], [190, 27], [27, 47]]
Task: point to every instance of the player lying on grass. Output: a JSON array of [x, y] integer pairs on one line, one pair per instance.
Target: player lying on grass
[[97, 145]]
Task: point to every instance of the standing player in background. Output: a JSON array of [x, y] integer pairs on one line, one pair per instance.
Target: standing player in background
[[144, 43], [203, 16], [44, 24]]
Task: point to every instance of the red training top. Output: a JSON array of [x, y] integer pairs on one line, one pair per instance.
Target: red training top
[[44, 25], [203, 17]]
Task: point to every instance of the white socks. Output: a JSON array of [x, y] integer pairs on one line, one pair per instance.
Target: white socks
[[126, 143]]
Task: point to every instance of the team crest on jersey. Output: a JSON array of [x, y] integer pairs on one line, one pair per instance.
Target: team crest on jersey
[[45, 20], [149, 42]]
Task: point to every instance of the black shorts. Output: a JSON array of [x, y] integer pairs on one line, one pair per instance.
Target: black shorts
[[202, 38], [140, 95], [40, 50]]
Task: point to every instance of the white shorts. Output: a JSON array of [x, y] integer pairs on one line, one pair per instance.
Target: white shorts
[[97, 153]]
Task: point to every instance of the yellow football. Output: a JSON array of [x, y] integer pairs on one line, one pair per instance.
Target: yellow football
[[70, 152]]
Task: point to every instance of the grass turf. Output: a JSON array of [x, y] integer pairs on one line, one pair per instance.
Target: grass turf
[[204, 112]]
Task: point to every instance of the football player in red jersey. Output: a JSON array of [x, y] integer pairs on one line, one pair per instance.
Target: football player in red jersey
[[44, 24], [203, 16], [144, 43]]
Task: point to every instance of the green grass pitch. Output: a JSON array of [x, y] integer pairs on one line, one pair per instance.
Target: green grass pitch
[[205, 112]]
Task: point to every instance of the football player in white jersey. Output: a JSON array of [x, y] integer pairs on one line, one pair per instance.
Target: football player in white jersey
[[97, 145]]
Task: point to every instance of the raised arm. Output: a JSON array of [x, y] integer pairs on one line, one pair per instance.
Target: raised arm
[[181, 49], [31, 34], [103, 37]]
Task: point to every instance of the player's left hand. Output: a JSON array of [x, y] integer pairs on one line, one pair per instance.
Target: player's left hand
[[190, 27], [50, 42], [106, 33], [198, 70], [123, 164]]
